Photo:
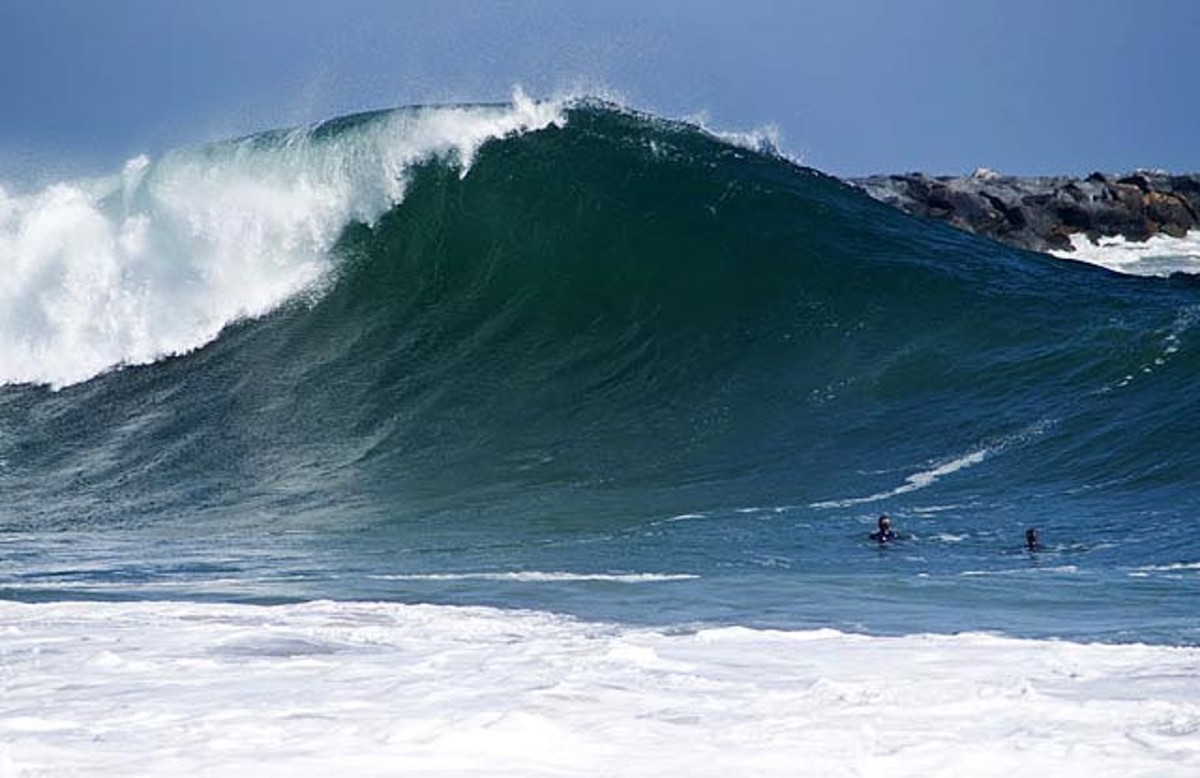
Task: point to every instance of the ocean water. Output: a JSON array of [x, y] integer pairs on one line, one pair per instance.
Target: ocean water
[[545, 439]]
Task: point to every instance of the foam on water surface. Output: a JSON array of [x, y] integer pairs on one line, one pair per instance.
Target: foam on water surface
[[383, 689], [1160, 255], [536, 576]]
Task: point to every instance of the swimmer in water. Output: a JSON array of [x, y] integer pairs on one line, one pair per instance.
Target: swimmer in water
[[884, 534], [1031, 539]]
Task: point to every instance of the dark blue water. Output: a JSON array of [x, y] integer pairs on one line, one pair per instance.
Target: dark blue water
[[623, 369]]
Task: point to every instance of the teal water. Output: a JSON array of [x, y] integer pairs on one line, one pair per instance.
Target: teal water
[[621, 368]]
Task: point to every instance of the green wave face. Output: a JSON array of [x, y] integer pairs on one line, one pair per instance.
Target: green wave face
[[613, 317]]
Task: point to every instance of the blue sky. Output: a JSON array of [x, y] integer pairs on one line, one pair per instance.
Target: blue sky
[[854, 86]]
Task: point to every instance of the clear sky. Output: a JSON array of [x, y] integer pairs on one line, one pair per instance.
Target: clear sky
[[853, 86]]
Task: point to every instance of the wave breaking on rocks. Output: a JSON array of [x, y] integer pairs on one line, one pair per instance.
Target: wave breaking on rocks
[[1042, 213]]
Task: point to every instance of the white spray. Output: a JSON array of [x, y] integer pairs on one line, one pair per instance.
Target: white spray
[[157, 260]]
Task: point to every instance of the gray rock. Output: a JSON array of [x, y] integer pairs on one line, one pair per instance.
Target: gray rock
[[1042, 213]]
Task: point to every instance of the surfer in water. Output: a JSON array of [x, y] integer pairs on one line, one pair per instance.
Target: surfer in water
[[884, 534], [1031, 539]]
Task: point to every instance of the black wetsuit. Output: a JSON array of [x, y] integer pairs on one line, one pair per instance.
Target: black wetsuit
[[883, 536]]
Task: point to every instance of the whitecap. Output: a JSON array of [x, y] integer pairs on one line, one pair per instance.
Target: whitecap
[[158, 259], [534, 576]]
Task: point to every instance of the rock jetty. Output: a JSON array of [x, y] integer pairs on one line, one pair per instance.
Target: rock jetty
[[1041, 214]]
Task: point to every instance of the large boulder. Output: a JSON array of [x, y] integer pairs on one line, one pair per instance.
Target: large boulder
[[1043, 213]]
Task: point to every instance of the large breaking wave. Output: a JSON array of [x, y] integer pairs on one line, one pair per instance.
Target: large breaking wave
[[158, 259], [549, 310]]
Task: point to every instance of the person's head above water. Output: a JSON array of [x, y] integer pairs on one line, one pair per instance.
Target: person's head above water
[[884, 533]]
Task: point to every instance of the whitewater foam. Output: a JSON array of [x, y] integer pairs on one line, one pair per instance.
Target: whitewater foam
[[534, 576], [930, 476], [1160, 255], [166, 688], [1173, 567], [157, 260], [912, 483]]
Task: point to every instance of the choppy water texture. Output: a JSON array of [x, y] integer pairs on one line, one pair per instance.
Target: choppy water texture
[[581, 360]]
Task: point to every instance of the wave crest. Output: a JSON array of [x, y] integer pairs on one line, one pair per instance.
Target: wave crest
[[157, 260]]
